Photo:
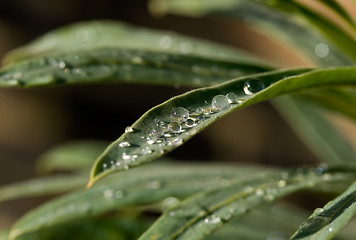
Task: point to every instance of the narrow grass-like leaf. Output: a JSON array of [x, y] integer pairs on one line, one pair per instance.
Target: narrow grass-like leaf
[[168, 125], [74, 155], [123, 65], [205, 212], [4, 234], [318, 133], [42, 186], [271, 22], [140, 186], [340, 11], [274, 221], [340, 100], [114, 34], [326, 222]]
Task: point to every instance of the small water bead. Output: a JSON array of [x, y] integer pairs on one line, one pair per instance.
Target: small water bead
[[165, 42], [282, 183], [232, 97], [108, 193], [124, 144], [119, 194], [151, 139], [169, 203], [154, 184], [259, 192], [158, 131], [253, 86], [321, 50], [174, 127], [129, 129], [146, 150], [180, 114], [318, 211], [199, 110], [126, 156], [220, 102], [190, 122]]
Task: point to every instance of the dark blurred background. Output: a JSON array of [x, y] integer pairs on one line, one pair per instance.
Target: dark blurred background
[[31, 121]]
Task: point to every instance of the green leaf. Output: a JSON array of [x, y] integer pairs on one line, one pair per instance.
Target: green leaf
[[42, 186], [316, 131], [141, 186], [205, 212], [166, 126], [125, 65], [114, 34], [4, 234], [274, 221], [287, 27], [340, 11], [73, 155], [326, 222]]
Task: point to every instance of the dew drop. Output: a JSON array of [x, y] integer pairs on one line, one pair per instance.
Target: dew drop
[[253, 86], [169, 203], [119, 194], [190, 122], [126, 156], [146, 150], [129, 129], [124, 144], [232, 97], [154, 184], [165, 42], [321, 50], [174, 127], [137, 60], [180, 114], [151, 139], [220, 102], [259, 192], [282, 183], [318, 211], [330, 229], [109, 194], [158, 131], [199, 110]]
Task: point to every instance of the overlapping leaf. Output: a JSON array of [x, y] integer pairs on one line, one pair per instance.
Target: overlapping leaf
[[165, 127], [326, 222], [142, 186], [200, 215]]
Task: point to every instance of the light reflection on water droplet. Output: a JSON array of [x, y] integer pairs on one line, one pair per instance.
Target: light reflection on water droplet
[[180, 114], [119, 194], [108, 194], [220, 102], [165, 42], [253, 86], [124, 144], [128, 129], [169, 203], [174, 127], [190, 122]]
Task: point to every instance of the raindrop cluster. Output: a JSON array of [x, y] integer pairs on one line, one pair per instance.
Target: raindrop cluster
[[169, 130]]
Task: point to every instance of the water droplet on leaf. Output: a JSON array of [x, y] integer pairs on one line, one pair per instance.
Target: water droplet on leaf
[[253, 86], [174, 127], [220, 102], [124, 144], [180, 114]]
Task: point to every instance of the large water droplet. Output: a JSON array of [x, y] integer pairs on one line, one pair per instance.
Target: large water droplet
[[253, 86], [151, 139], [174, 127], [119, 194], [220, 102], [180, 114]]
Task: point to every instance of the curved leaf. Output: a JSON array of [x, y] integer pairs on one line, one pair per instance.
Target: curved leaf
[[41, 187], [115, 64], [141, 186], [165, 127], [114, 34], [205, 212], [316, 130], [265, 18], [326, 222], [73, 155]]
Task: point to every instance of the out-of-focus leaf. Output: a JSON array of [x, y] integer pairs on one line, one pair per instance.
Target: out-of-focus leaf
[[4, 234], [126, 65], [339, 10], [42, 186], [287, 27], [114, 34], [205, 212], [108, 228], [140, 186], [166, 126], [314, 128], [74, 155], [326, 222]]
